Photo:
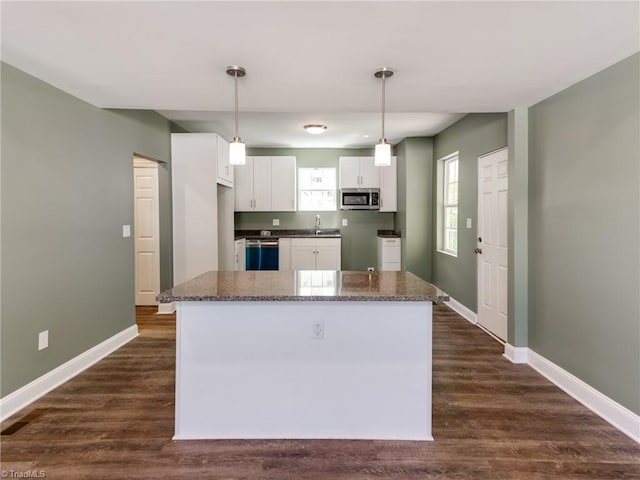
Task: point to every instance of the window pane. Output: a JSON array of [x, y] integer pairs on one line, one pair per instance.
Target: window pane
[[317, 189], [317, 178], [452, 194]]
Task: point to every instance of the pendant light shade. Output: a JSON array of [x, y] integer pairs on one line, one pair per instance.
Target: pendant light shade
[[237, 153], [382, 157]]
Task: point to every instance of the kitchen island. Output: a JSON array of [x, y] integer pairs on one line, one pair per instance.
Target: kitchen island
[[303, 354]]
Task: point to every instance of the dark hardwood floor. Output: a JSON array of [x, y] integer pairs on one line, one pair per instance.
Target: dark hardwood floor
[[491, 420]]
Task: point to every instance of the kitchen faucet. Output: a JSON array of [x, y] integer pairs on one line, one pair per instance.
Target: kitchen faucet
[[317, 224]]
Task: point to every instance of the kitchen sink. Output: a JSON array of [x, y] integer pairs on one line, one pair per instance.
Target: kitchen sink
[[327, 232]]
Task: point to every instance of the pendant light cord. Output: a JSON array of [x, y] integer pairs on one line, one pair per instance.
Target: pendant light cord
[[235, 82], [383, 80]]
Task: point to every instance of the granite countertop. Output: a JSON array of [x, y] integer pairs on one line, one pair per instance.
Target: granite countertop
[[304, 285], [389, 233], [299, 233]]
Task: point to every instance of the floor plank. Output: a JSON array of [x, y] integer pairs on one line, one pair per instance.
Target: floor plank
[[491, 420]]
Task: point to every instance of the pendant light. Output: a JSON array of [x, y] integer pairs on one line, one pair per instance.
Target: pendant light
[[237, 153], [382, 157]]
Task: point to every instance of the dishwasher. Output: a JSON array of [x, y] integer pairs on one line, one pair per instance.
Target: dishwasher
[[262, 254]]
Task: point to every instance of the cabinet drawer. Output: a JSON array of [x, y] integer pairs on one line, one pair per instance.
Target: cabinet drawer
[[315, 242], [392, 254]]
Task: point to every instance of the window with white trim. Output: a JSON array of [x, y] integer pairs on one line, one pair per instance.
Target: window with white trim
[[317, 189], [448, 203]]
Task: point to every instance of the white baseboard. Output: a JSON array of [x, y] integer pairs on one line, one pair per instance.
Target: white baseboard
[[620, 417], [166, 308], [461, 309], [516, 354], [22, 397]]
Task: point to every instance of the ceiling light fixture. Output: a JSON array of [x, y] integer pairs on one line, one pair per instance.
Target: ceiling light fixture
[[237, 152], [315, 129], [382, 157]]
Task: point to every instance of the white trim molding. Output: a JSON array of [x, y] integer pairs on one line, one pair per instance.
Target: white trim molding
[[22, 397], [515, 354], [461, 309], [620, 417], [166, 308]]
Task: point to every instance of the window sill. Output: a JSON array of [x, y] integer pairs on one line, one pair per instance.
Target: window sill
[[450, 254]]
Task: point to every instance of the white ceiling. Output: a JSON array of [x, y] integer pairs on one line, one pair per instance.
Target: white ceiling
[[310, 62]]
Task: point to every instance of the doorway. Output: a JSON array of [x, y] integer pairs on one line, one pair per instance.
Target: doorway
[[493, 187], [146, 230]]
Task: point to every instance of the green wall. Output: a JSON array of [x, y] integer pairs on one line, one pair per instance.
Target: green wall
[[358, 238], [472, 136], [67, 189], [415, 207], [584, 231]]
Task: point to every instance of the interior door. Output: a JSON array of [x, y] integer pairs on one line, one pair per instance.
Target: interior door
[[493, 184], [147, 231]]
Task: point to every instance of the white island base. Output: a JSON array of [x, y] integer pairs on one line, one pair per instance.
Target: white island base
[[253, 370]]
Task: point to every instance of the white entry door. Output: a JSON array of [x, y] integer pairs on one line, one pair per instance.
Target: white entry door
[[493, 185], [147, 231]]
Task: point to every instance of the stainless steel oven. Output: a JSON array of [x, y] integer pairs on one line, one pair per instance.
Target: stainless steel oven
[[360, 199]]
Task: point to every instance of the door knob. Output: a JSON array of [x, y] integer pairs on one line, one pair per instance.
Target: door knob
[[477, 250]]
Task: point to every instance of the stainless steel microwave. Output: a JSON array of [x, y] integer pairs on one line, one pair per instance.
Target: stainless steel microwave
[[360, 199]]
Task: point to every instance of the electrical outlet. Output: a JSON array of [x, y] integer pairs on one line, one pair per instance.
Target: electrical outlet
[[317, 329], [345, 222], [276, 222], [43, 340], [370, 269], [126, 231]]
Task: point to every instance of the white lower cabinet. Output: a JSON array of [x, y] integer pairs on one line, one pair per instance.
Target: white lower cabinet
[[315, 254], [389, 254], [240, 258], [284, 254]]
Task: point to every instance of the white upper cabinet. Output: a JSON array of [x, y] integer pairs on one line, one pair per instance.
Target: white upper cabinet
[[283, 184], [244, 187], [266, 184], [358, 172], [389, 187], [361, 172], [225, 171]]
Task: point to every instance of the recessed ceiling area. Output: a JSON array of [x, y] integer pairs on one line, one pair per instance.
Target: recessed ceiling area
[[313, 62]]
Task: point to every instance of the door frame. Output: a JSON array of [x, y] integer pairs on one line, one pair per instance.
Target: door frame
[[144, 162]]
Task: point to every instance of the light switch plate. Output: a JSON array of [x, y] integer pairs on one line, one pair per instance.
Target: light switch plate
[[468, 223], [126, 231], [345, 222], [276, 222], [43, 340]]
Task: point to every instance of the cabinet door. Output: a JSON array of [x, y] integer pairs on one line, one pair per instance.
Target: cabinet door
[[262, 184], [284, 254], [389, 187], [283, 184], [349, 172], [225, 171], [244, 187], [327, 258], [369, 173], [303, 258]]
